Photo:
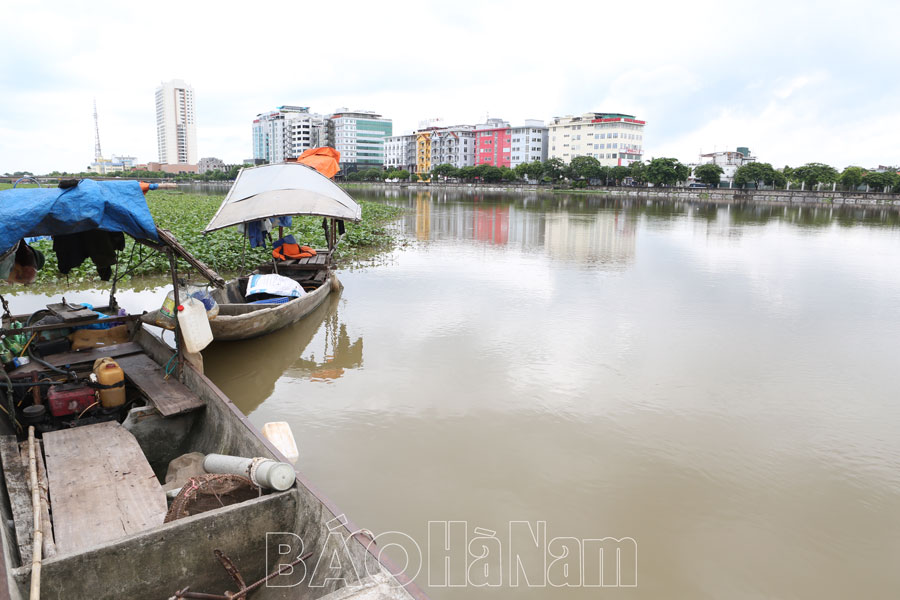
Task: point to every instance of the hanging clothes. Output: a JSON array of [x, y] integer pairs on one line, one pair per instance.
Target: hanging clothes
[[98, 245], [256, 231]]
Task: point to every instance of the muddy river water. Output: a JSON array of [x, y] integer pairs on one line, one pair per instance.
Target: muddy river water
[[713, 389]]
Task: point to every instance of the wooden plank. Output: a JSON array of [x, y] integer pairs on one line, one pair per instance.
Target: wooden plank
[[101, 486], [19, 496], [74, 358], [169, 396]]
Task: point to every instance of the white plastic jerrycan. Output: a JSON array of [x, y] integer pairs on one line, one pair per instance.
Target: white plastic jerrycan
[[194, 325]]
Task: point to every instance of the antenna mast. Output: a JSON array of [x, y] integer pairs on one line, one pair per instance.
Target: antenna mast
[[97, 154]]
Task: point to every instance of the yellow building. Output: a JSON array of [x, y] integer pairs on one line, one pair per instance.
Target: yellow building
[[423, 153]]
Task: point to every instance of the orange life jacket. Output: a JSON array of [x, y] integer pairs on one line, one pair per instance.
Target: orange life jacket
[[286, 251]]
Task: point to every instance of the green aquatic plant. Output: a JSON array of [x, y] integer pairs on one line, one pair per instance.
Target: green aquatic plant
[[226, 251]]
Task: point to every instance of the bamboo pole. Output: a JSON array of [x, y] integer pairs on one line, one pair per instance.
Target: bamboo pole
[[38, 529], [49, 543]]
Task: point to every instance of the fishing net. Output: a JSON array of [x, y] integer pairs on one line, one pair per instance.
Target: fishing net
[[209, 492]]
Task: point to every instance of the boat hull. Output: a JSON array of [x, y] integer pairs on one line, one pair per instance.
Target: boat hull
[[245, 321]]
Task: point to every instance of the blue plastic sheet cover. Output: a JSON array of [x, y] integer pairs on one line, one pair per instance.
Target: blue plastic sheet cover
[[107, 205]]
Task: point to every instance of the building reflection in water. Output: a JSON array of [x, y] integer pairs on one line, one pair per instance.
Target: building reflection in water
[[423, 216], [599, 232]]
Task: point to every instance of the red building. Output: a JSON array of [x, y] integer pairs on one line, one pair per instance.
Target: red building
[[493, 143]]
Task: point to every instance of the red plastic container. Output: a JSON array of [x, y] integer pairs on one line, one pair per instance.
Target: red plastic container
[[69, 399]]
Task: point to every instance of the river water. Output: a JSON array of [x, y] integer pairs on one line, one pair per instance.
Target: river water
[[714, 387]]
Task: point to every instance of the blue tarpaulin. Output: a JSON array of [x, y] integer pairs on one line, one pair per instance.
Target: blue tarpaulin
[[107, 205]]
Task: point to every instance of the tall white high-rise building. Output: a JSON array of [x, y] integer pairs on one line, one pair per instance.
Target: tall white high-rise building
[[176, 127]]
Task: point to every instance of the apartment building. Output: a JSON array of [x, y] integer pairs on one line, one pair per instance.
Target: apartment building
[[359, 136], [400, 152], [493, 143], [528, 143], [454, 146], [176, 126], [612, 138], [286, 132], [423, 151]]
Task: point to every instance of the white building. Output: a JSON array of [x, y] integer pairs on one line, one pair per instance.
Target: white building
[[400, 152], [453, 146], [729, 161], [359, 136], [286, 132], [176, 127], [529, 143], [612, 138]]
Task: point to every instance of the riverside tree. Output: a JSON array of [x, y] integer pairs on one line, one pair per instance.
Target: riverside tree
[[881, 181], [758, 174], [619, 173], [666, 171], [554, 168], [813, 174], [710, 174], [533, 170], [852, 177], [445, 170], [638, 172], [585, 167]]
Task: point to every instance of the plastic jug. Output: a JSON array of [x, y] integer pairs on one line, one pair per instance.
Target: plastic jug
[[165, 318], [195, 329], [109, 372]]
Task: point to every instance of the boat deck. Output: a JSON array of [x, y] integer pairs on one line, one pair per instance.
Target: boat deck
[[101, 486]]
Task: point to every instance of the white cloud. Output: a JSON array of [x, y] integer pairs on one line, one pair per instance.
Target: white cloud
[[701, 73]]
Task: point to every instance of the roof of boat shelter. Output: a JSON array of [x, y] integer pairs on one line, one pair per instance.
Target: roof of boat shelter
[[283, 190]]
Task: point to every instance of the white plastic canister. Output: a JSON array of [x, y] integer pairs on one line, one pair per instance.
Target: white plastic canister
[[194, 325]]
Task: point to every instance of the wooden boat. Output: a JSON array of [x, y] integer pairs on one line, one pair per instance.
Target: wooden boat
[[95, 522], [274, 191], [239, 320]]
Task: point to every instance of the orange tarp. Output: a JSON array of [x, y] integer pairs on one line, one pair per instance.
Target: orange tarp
[[324, 160]]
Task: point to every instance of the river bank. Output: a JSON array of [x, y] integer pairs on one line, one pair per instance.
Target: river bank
[[719, 196]]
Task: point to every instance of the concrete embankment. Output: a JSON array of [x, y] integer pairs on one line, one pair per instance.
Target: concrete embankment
[[719, 196]]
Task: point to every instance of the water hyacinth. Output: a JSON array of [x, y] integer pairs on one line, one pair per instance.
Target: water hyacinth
[[186, 214]]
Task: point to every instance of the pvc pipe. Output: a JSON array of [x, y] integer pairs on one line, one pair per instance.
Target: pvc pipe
[[264, 472]]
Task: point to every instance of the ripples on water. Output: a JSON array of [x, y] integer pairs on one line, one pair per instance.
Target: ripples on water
[[716, 382]]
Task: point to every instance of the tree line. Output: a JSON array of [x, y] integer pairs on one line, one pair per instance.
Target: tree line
[[587, 170], [807, 176], [581, 171]]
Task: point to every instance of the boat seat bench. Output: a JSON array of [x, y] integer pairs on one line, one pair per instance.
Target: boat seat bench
[[169, 396]]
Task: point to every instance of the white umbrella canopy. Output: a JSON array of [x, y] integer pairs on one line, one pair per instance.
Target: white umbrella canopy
[[283, 190]]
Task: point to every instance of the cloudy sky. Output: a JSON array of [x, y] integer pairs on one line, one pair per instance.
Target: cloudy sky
[[796, 81]]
